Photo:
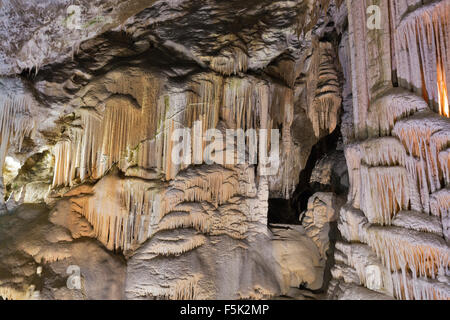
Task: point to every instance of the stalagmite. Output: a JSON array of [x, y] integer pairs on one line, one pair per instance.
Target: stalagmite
[[322, 210], [420, 40], [353, 158], [424, 137]]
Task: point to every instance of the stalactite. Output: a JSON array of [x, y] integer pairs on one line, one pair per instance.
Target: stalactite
[[390, 108], [444, 161], [327, 99], [239, 104], [15, 122], [230, 61], [397, 175], [204, 101], [92, 150], [423, 52], [181, 219], [10, 293], [387, 151], [122, 128], [91, 143], [126, 212], [186, 289], [384, 192], [418, 221], [173, 245], [408, 288], [424, 136], [63, 163], [123, 212], [216, 186], [183, 289], [440, 203], [424, 254]]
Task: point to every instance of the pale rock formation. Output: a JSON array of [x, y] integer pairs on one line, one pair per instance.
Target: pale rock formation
[[185, 230], [323, 209], [36, 255], [260, 266], [397, 202], [88, 110], [330, 173]]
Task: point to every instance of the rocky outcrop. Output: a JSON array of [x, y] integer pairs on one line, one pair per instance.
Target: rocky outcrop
[[394, 225], [159, 134], [53, 255]]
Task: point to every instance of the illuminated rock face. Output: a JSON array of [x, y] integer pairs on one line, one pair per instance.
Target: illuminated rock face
[[395, 225], [93, 137], [97, 136]]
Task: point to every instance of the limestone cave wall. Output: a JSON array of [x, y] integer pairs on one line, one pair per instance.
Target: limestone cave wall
[[313, 147]]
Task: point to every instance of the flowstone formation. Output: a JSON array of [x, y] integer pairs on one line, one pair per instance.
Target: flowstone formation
[[224, 150]]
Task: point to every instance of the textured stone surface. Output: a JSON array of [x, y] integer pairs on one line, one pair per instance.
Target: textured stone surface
[[38, 247], [88, 110], [398, 198]]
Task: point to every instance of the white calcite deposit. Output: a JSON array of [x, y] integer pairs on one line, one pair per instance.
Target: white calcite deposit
[[332, 182]]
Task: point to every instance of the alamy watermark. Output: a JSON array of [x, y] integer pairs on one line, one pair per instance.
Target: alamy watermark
[[76, 21]]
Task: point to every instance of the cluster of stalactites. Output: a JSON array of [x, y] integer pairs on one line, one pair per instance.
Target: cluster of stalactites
[[423, 254], [422, 40], [391, 107], [425, 138], [128, 134], [103, 141], [385, 191], [216, 187], [230, 61], [122, 212], [327, 97], [16, 122], [380, 185], [392, 174], [126, 212], [183, 289], [416, 259]]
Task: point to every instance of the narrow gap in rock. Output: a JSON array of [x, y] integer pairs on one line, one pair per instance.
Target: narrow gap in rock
[[304, 190]]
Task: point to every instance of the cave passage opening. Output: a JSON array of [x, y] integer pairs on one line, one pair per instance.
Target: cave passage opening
[[288, 211]]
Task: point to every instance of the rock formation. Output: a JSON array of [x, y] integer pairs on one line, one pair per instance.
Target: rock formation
[[179, 149]]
